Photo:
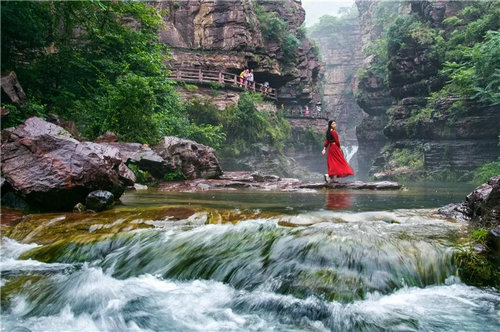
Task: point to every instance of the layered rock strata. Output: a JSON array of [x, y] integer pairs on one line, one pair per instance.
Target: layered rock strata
[[227, 36], [52, 171], [439, 144]]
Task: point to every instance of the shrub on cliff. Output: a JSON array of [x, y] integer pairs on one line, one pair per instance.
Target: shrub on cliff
[[96, 62], [246, 127]]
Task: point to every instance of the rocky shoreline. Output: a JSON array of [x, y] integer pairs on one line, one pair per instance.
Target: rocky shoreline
[[257, 181], [44, 168]]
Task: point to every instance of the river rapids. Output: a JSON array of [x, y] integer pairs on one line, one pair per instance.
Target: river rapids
[[255, 267]]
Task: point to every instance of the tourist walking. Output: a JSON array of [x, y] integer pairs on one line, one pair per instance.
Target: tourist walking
[[336, 163], [250, 79]]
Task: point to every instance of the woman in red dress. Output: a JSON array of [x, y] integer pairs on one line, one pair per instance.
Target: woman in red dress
[[337, 165]]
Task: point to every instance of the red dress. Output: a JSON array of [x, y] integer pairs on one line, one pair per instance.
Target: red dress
[[337, 165]]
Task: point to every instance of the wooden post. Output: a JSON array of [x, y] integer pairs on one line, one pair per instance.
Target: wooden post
[[221, 78], [235, 80], [200, 75]]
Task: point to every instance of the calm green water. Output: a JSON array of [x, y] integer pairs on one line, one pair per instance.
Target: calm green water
[[245, 261], [415, 196]]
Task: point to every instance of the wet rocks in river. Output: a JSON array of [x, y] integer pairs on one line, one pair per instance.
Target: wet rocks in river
[[484, 203], [99, 200], [242, 179], [53, 171], [481, 207]]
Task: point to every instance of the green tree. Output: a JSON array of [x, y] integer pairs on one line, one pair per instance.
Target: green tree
[[96, 62]]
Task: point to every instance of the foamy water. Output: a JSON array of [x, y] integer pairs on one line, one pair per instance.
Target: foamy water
[[334, 271]]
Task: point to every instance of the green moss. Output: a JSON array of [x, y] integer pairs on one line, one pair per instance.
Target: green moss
[[15, 285], [476, 267]]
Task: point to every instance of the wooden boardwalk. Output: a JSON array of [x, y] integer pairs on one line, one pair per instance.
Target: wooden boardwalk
[[196, 76]]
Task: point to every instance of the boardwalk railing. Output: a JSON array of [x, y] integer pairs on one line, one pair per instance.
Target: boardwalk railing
[[192, 75]]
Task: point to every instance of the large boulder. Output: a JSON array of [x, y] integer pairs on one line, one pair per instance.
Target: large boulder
[[481, 207], [142, 156], [53, 171], [194, 160], [484, 203]]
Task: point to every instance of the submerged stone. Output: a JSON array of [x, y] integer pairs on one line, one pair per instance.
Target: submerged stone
[[100, 200]]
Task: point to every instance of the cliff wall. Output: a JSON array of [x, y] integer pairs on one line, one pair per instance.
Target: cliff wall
[[404, 132], [340, 47], [228, 36]]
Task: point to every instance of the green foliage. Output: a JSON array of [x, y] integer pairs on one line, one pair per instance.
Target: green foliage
[[273, 28], [452, 21], [301, 32], [132, 107], [216, 85], [408, 157], [96, 62], [472, 58], [25, 29], [330, 28], [247, 127], [190, 87], [475, 267], [315, 49], [201, 111], [290, 47], [143, 177], [408, 31], [488, 170], [17, 115], [210, 135], [174, 176], [385, 12], [379, 64]]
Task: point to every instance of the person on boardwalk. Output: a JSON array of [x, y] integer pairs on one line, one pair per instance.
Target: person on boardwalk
[[266, 87], [250, 79], [243, 77], [336, 163]]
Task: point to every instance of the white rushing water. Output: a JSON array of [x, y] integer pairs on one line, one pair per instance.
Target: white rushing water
[[336, 271]]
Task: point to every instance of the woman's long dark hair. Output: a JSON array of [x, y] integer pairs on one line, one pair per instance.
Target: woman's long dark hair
[[328, 133]]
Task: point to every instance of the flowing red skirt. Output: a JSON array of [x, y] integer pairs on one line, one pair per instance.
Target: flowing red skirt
[[337, 165]]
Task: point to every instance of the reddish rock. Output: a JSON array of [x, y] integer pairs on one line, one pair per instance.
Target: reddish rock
[[67, 125], [194, 160], [249, 180], [142, 156], [13, 89], [53, 171]]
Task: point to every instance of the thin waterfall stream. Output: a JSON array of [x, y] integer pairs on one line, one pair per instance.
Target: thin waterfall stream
[[245, 261]]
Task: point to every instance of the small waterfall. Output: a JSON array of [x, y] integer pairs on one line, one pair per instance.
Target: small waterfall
[[349, 151], [316, 270]]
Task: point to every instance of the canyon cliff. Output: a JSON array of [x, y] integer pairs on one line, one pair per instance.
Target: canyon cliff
[[410, 130], [230, 36], [339, 42]]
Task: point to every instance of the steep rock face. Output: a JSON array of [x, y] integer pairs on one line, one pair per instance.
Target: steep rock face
[[371, 92], [438, 141], [341, 55], [226, 35]]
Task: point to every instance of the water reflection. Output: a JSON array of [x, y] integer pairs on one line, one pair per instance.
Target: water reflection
[[336, 200]]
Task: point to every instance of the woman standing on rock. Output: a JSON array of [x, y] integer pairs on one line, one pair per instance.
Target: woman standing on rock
[[337, 165]]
